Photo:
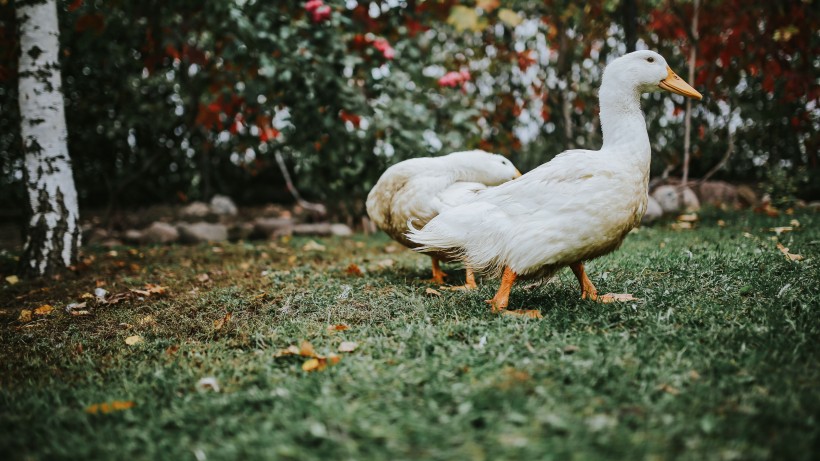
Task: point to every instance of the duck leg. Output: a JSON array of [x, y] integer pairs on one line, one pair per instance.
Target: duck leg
[[502, 297], [588, 290], [438, 274], [469, 283]]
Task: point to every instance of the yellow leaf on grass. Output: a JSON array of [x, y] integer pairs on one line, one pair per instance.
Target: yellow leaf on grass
[[25, 316], [789, 256], [132, 340], [433, 292], [105, 408], [509, 17], [290, 350], [220, 323], [12, 279], [338, 327], [45, 309], [348, 346], [306, 350], [313, 365]]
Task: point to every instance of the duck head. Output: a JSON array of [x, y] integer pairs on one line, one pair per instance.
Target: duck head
[[486, 168], [647, 71]]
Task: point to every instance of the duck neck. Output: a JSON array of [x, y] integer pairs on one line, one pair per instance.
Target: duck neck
[[622, 121]]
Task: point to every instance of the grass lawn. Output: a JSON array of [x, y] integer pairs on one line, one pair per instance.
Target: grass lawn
[[719, 359]]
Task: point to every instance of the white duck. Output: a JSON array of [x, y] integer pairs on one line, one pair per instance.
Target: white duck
[[421, 188], [576, 207]]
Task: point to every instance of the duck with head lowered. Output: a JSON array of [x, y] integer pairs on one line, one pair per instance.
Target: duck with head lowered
[[421, 188], [574, 208]]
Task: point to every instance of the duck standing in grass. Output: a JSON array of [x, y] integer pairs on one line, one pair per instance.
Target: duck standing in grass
[[421, 188], [576, 207]]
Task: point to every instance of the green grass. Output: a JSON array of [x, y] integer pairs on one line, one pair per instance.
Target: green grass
[[719, 360]]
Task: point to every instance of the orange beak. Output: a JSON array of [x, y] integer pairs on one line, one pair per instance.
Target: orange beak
[[677, 85], [517, 174]]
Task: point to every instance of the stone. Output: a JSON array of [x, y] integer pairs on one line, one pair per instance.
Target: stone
[[690, 200], [653, 211], [746, 196], [267, 227], [341, 230], [667, 197], [195, 210], [132, 236], [312, 229], [718, 194], [202, 232], [222, 205], [159, 232]]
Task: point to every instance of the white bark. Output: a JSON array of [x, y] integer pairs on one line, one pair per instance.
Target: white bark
[[53, 233]]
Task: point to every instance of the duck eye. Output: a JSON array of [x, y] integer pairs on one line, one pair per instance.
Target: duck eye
[[650, 59]]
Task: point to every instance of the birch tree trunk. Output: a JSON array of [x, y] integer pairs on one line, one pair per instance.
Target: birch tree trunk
[[53, 234]]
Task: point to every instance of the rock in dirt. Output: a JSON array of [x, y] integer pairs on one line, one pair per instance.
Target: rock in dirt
[[267, 227], [718, 193], [202, 232], [195, 210], [159, 232], [667, 197], [222, 205], [653, 211], [690, 200], [341, 230]]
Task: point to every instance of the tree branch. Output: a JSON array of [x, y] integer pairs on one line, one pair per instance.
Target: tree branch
[[315, 207]]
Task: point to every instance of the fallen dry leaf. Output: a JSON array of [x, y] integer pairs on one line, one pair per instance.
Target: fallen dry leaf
[[782, 229], [391, 249], [25, 316], [524, 313], [292, 259], [12, 279], [338, 327], [354, 270], [132, 340], [348, 346], [80, 312], [794, 223], [385, 263], [306, 349], [206, 383], [616, 297], [313, 365], [220, 323], [45, 309], [320, 363], [789, 256], [86, 296], [432, 292], [682, 225], [105, 408], [721, 223], [203, 277], [689, 217], [290, 350]]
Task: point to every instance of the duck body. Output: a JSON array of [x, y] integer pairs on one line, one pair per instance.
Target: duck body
[[578, 206], [421, 188]]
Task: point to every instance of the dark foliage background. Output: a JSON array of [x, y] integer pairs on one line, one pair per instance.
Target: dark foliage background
[[171, 101]]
